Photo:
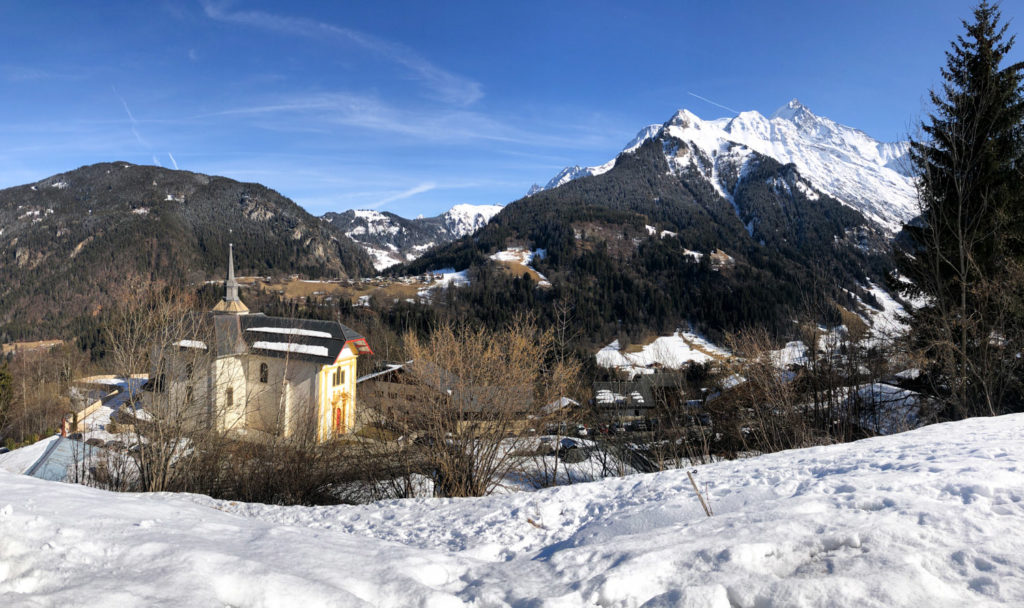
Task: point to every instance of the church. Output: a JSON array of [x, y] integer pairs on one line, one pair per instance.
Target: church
[[263, 376]]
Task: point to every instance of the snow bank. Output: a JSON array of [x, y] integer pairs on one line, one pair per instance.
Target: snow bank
[[20, 460], [931, 517]]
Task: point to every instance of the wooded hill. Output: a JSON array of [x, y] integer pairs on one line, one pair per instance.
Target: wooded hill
[[69, 244], [795, 250]]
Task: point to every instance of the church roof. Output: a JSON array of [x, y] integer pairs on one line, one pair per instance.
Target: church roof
[[238, 332], [301, 339]]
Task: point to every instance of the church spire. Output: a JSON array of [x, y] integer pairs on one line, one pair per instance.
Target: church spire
[[231, 302], [232, 284]]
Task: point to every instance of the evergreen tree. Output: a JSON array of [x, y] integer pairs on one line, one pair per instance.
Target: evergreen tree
[[968, 242]]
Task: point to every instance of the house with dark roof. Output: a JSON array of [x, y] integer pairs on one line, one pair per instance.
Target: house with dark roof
[[256, 374], [624, 399]]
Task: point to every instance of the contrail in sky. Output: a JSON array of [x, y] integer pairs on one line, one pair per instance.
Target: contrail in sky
[[426, 187], [173, 162], [130, 117], [714, 103]]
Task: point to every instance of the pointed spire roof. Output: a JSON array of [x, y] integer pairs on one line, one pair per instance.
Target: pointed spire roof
[[231, 303]]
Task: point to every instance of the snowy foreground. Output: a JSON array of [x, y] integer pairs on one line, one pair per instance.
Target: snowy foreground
[[933, 517]]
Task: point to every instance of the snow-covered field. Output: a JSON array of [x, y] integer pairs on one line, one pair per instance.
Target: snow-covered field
[[666, 351], [932, 517], [525, 257]]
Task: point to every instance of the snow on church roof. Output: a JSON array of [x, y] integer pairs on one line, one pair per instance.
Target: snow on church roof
[[290, 347], [292, 331]]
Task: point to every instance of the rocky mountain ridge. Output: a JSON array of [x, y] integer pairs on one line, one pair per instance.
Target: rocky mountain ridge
[[870, 176], [390, 239]]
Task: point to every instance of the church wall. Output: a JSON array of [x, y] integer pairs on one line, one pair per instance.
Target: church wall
[[266, 408], [228, 387], [180, 391], [300, 398]]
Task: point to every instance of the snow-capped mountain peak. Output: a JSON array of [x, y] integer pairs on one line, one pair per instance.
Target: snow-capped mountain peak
[[467, 219], [792, 111], [568, 174], [390, 239], [685, 119], [843, 162]]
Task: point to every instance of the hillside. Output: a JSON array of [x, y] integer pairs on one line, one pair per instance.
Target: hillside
[[390, 239], [672, 234], [926, 518], [69, 243]]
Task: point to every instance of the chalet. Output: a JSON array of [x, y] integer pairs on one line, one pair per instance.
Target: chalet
[[624, 400], [264, 375]]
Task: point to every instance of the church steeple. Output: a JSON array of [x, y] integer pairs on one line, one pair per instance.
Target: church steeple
[[232, 284], [231, 303]]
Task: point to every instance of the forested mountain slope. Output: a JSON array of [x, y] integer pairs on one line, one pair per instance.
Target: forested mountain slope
[[630, 249], [70, 243]]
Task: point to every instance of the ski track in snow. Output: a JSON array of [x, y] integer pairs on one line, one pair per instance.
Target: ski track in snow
[[927, 518]]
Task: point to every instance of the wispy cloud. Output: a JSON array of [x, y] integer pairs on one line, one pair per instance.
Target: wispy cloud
[[323, 110], [420, 189], [21, 73], [443, 84], [173, 162]]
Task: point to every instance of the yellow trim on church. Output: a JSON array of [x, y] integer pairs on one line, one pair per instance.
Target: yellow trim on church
[[336, 393]]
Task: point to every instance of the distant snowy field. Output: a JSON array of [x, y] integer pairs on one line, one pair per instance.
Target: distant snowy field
[[672, 352], [932, 517]]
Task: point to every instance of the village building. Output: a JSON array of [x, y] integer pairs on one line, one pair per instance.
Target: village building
[[400, 393], [262, 375]]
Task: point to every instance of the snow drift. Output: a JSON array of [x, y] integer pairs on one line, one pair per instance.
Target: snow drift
[[930, 517]]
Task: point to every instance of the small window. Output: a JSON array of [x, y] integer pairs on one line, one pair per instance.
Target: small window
[[229, 397], [264, 373], [188, 370], [188, 395], [338, 377]]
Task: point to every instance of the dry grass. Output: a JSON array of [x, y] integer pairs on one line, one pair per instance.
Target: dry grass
[[24, 346], [518, 268], [296, 288]]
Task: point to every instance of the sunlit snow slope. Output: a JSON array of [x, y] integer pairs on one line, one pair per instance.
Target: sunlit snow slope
[[846, 163], [931, 518]]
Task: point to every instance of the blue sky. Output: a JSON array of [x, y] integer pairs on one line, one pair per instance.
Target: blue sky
[[415, 106]]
